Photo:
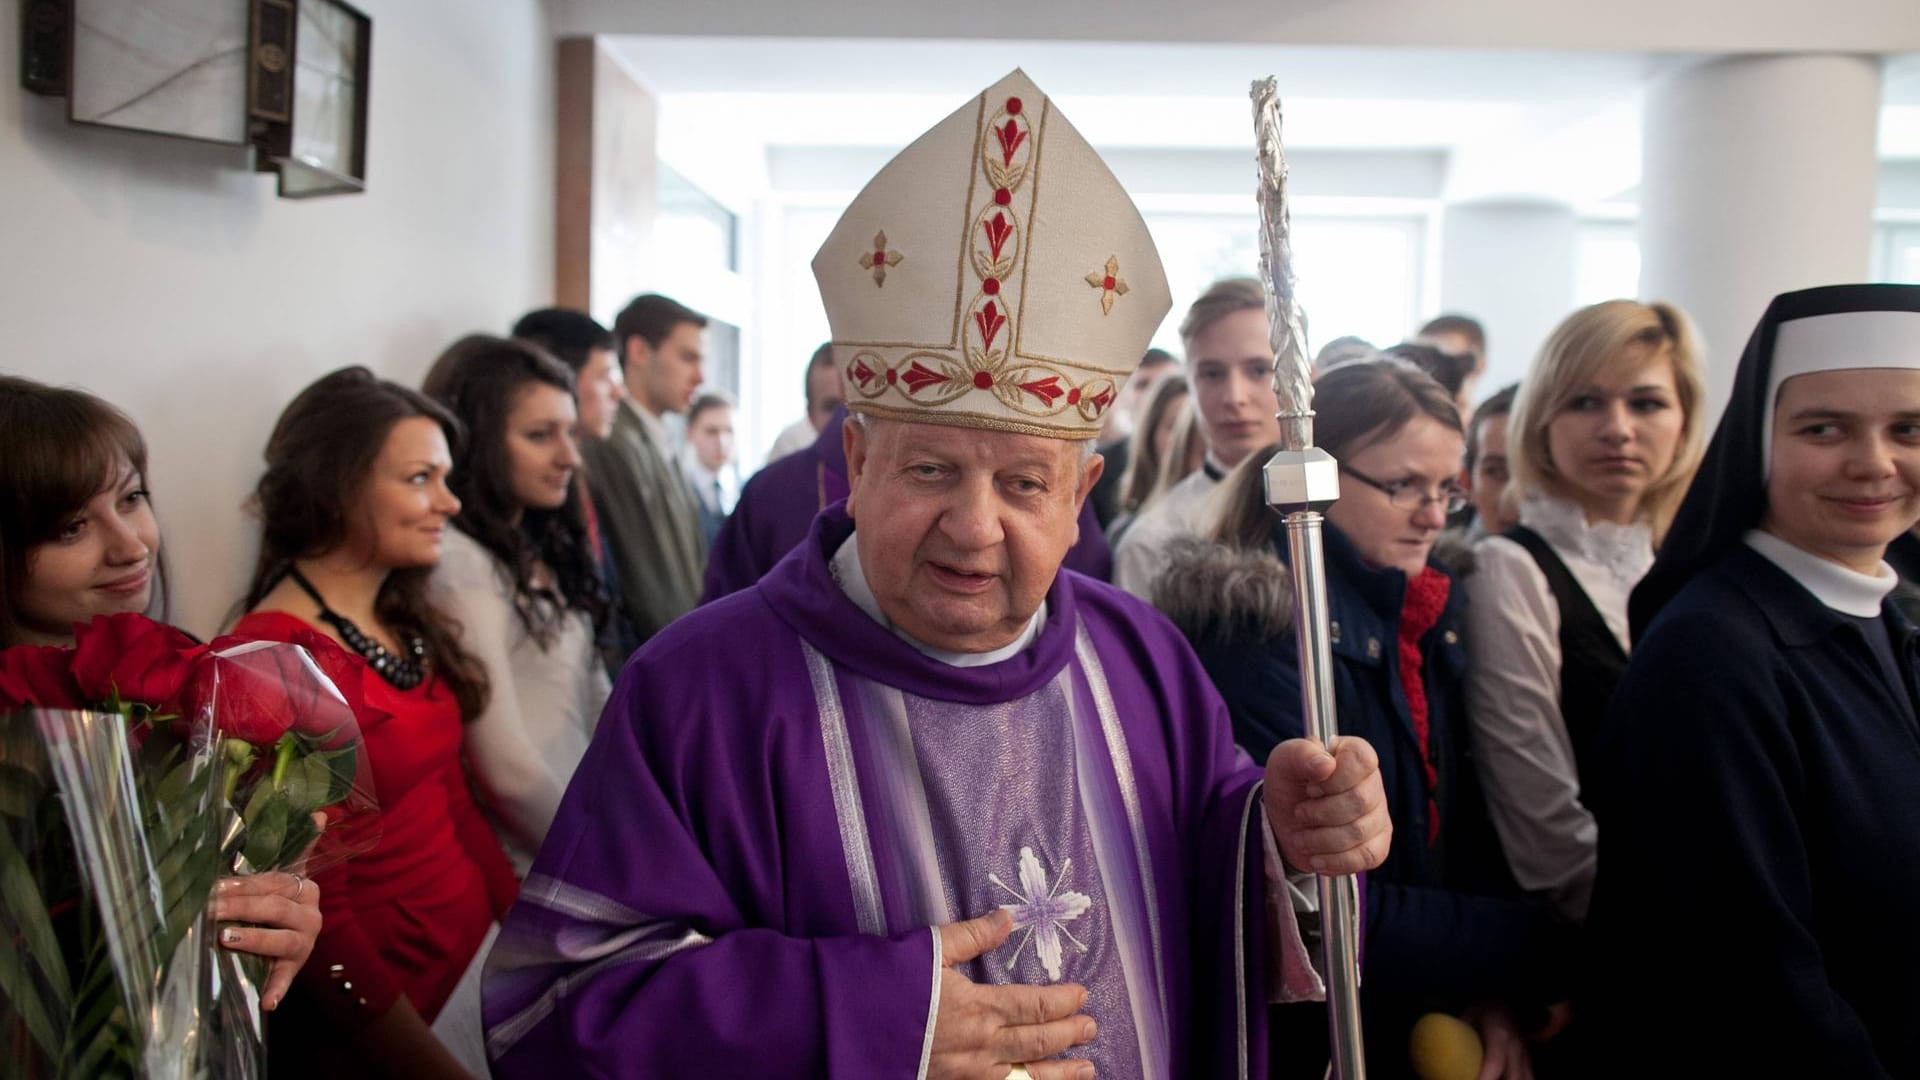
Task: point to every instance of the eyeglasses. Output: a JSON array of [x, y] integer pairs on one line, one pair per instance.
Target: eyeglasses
[[1413, 498]]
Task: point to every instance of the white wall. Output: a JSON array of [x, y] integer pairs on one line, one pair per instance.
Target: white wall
[[171, 280], [1510, 265]]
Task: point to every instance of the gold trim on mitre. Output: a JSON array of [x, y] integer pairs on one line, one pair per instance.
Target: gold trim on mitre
[[1013, 338]]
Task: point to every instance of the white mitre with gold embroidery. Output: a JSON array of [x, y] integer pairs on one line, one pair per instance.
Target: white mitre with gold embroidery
[[993, 275]]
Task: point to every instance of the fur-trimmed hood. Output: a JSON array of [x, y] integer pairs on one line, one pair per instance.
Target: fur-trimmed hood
[[1229, 595], [1213, 592]]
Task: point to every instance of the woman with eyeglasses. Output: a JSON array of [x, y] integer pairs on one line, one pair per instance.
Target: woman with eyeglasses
[[1603, 441], [1445, 928]]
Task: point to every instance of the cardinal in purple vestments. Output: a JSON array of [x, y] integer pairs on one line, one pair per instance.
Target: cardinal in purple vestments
[[784, 795], [777, 506], [921, 803]]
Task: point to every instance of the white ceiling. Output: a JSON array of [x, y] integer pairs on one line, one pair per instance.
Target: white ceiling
[[1555, 125], [881, 93], [1669, 26]]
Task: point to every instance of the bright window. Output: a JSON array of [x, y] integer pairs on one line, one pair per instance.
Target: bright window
[[1897, 254], [1357, 275]]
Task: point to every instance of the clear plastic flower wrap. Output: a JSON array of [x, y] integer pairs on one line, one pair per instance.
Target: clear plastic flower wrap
[[136, 769]]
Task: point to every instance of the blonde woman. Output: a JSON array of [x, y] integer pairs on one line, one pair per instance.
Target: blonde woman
[[1604, 438]]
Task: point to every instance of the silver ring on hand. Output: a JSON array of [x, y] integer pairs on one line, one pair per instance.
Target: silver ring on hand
[[299, 885]]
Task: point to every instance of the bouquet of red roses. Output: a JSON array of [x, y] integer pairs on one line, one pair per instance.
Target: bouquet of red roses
[[136, 769]]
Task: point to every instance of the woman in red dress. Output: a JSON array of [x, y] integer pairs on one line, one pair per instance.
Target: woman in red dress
[[353, 506]]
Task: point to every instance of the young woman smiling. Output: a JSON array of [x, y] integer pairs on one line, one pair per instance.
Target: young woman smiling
[[78, 539], [354, 510], [517, 575], [1604, 437]]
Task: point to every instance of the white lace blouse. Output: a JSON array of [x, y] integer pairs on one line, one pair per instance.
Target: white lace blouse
[[1513, 688]]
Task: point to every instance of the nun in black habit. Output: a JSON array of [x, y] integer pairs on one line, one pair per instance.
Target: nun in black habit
[[1757, 911]]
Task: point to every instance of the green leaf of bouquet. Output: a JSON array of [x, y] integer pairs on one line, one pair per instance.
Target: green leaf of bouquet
[[266, 830], [110, 1050], [174, 783], [342, 767], [258, 794], [27, 914], [316, 779], [301, 786], [301, 831], [100, 1041], [23, 998], [99, 993], [20, 791]]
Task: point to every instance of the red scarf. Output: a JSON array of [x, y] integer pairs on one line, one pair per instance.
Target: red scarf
[[1426, 599]]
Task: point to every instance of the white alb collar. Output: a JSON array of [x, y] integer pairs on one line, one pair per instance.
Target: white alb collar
[[852, 579], [1847, 591]]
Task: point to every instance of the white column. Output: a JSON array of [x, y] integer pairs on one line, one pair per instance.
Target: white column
[[1758, 178]]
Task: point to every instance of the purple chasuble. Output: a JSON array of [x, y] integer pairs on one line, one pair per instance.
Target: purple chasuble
[[783, 797], [776, 510]]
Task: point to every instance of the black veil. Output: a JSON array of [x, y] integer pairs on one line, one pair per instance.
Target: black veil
[[1729, 493]]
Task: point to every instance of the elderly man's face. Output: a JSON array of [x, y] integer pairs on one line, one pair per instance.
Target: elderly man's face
[[961, 530]]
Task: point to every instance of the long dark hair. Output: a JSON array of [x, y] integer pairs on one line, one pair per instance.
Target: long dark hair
[[1355, 405], [318, 458], [479, 379], [59, 448]]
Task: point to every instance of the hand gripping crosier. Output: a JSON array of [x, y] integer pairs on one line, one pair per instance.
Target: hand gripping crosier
[[1301, 481]]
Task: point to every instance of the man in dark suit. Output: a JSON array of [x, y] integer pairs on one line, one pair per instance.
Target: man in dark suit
[[649, 513]]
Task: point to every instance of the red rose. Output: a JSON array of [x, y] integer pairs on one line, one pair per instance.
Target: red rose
[[274, 686], [137, 659], [348, 673], [38, 675], [247, 697]]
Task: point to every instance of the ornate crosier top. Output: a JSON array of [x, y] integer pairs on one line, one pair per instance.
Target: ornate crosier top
[[1292, 365]]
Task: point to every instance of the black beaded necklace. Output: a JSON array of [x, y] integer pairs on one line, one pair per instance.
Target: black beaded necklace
[[404, 672]]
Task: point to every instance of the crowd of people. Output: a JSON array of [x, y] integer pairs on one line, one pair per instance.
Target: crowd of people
[[1640, 707]]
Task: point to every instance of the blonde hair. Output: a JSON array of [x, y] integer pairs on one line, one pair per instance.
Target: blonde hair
[[1595, 339]]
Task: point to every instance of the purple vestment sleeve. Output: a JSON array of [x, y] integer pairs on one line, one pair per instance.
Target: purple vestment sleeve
[[636, 948]]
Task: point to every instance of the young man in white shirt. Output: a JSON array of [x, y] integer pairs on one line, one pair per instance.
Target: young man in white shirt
[[1230, 363]]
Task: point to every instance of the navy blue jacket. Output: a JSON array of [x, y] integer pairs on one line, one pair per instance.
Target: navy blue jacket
[[1446, 926], [1757, 911]]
